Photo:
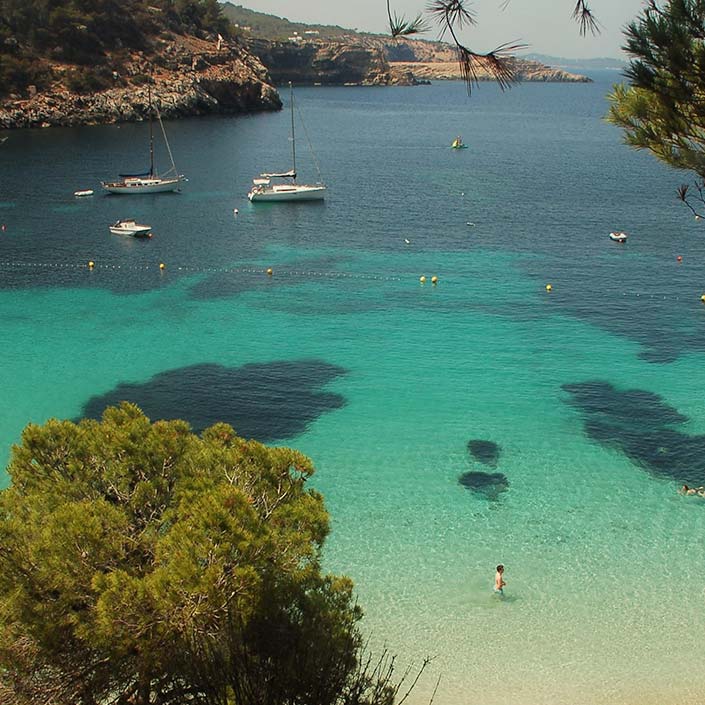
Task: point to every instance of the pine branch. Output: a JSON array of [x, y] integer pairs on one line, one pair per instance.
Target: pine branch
[[399, 26], [582, 14]]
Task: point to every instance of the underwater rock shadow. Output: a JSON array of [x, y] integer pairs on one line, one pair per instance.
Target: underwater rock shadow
[[639, 424], [265, 401], [486, 484], [486, 452]]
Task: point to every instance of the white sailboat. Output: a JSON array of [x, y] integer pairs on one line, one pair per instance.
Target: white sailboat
[[263, 189], [150, 181]]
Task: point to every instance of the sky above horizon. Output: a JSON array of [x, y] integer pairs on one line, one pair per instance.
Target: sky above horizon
[[545, 25]]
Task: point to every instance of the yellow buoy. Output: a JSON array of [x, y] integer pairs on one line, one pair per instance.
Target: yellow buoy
[[422, 279], [269, 272], [434, 280], [549, 287], [91, 264], [162, 265], [702, 298]]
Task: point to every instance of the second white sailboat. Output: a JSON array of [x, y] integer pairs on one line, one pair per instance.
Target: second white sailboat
[[263, 189]]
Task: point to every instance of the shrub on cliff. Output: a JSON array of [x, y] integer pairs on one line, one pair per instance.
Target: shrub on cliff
[[91, 32], [140, 563], [86, 81]]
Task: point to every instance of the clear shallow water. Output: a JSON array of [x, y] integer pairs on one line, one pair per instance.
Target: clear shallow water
[[343, 354]]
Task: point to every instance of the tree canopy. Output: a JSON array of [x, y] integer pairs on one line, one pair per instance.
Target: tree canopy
[[662, 109], [140, 563]]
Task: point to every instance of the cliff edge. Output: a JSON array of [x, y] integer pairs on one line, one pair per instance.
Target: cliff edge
[[91, 63], [188, 76]]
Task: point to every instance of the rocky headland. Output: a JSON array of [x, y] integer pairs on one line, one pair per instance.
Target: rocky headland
[[188, 76], [524, 70], [354, 61], [109, 68], [366, 60]]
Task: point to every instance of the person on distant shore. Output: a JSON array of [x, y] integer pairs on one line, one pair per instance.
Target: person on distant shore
[[499, 581]]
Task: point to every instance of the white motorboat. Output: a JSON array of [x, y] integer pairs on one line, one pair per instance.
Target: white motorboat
[[83, 193], [618, 236], [131, 228], [289, 189], [149, 181]]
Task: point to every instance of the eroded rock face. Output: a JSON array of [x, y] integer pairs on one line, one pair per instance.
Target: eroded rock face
[[324, 62], [191, 77], [362, 60]]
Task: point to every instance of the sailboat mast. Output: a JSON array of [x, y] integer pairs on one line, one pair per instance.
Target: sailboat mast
[[293, 136], [151, 135]]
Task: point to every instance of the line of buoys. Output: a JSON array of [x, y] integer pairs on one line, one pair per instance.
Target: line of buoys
[[197, 270]]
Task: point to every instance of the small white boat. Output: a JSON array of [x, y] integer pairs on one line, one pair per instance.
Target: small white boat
[[131, 228], [618, 236], [84, 193]]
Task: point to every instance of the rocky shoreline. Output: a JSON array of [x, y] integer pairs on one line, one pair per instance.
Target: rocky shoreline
[[529, 71], [189, 77]]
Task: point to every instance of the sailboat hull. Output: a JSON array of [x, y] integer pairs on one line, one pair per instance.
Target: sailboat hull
[[131, 186], [287, 192]]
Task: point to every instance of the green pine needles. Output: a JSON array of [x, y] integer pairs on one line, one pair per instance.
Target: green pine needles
[[662, 108], [140, 563]]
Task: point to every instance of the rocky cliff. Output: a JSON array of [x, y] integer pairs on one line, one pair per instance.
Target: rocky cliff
[[190, 76], [368, 60], [524, 70], [362, 63]]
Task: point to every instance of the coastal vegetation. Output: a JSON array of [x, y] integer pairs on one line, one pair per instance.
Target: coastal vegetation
[[42, 40], [660, 109], [265, 26], [140, 563]]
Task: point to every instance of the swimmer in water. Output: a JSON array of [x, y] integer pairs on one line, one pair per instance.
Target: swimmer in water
[[499, 580]]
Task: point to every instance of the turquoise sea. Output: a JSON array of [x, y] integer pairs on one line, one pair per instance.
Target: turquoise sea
[[589, 397]]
